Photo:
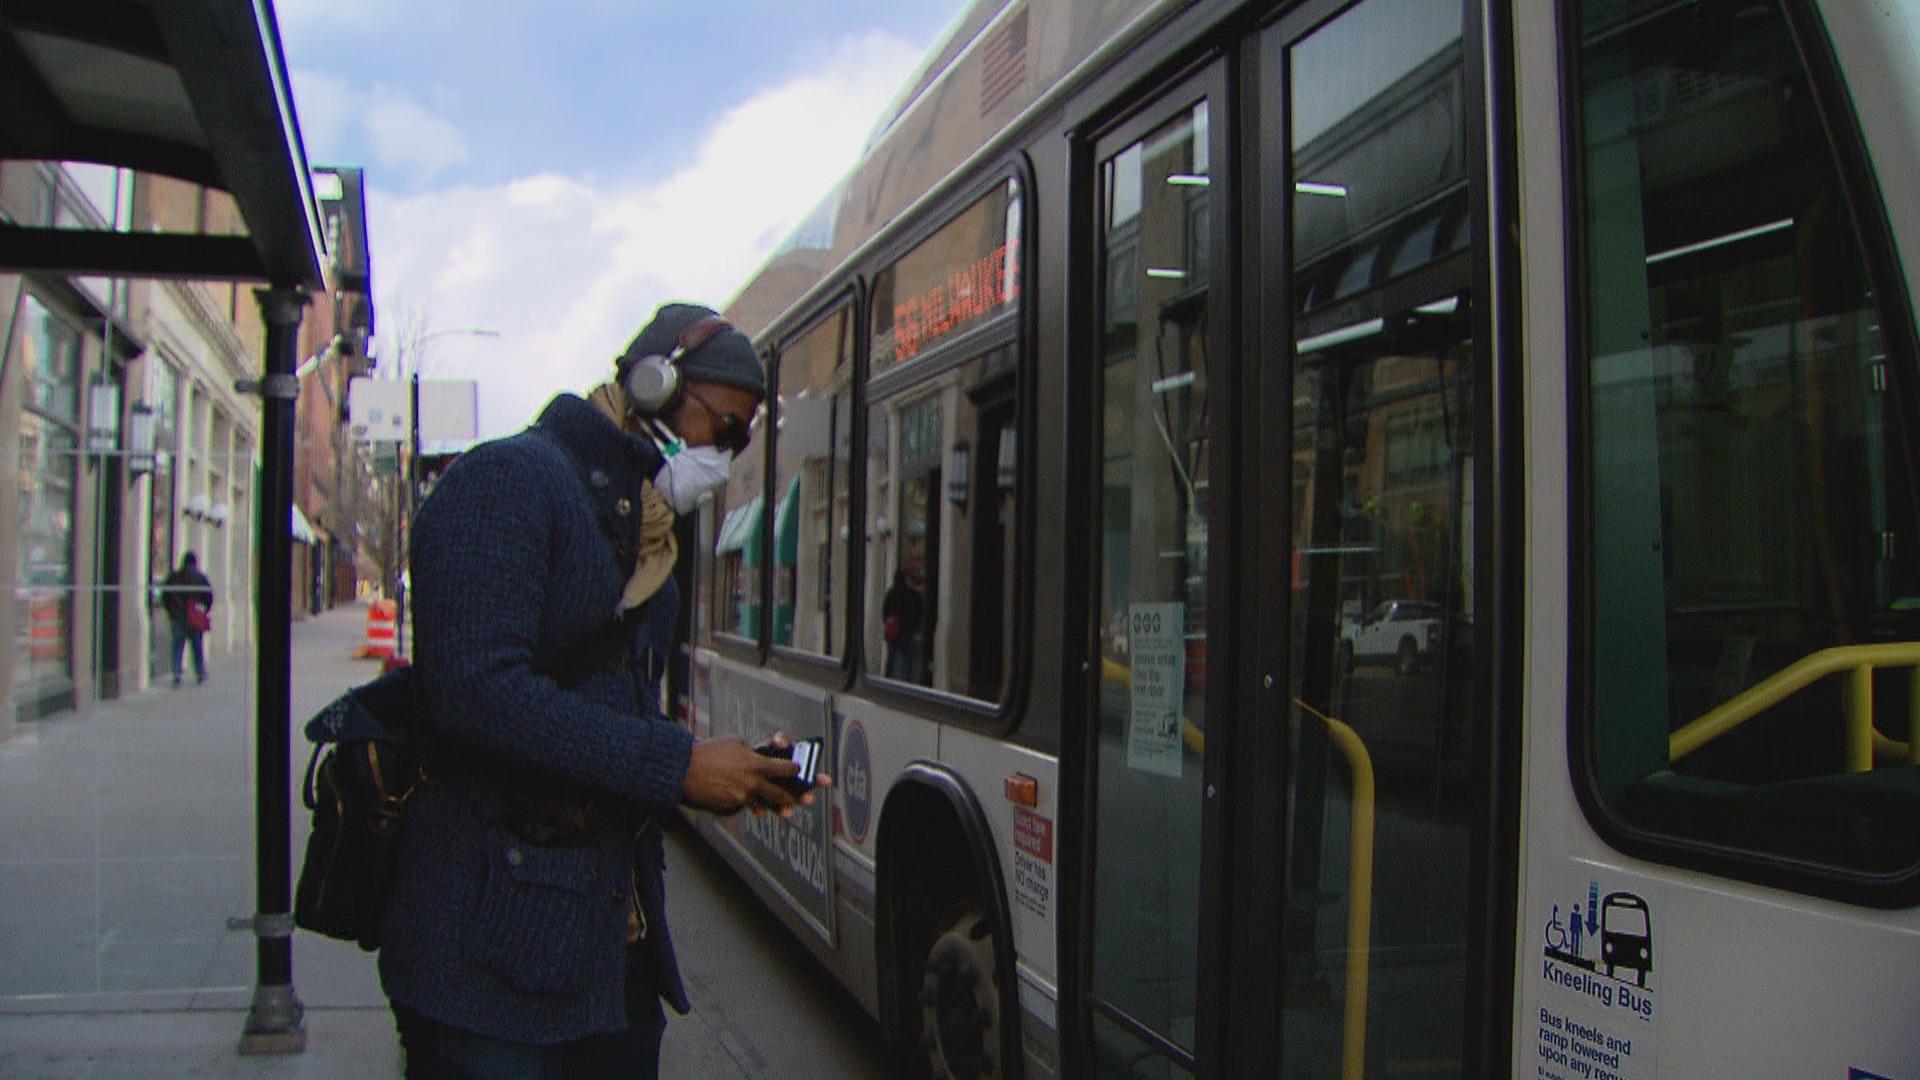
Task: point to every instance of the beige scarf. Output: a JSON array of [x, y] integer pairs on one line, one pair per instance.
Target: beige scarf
[[658, 548]]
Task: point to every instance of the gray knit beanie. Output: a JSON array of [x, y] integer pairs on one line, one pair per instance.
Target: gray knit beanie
[[725, 359]]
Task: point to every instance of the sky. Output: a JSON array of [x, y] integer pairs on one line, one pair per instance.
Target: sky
[[555, 171]]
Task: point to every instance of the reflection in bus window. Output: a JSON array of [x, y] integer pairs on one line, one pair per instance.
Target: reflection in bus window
[[1730, 319], [942, 472], [1155, 434], [812, 482], [1383, 400], [739, 544]]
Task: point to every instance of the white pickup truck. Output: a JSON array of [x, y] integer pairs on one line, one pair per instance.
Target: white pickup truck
[[1405, 632]]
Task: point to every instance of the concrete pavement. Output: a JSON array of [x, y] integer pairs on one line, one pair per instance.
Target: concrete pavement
[[126, 843]]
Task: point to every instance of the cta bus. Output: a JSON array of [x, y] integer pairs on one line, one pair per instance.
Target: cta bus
[[1152, 346]]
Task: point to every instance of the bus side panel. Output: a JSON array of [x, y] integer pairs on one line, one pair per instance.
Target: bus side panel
[[789, 863], [1679, 974], [1026, 842]]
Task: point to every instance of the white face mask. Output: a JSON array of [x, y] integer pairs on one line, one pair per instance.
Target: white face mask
[[690, 474]]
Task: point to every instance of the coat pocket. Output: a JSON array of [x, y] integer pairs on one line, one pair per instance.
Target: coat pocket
[[535, 925]]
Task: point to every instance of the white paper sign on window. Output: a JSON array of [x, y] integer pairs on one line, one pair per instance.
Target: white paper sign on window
[[1156, 646]]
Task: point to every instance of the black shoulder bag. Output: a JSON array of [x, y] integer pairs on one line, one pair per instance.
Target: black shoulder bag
[[368, 759], [364, 767]]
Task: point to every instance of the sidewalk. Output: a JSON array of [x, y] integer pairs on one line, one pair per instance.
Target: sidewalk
[[126, 842]]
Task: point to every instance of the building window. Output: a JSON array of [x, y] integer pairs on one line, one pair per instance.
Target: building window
[[48, 352]]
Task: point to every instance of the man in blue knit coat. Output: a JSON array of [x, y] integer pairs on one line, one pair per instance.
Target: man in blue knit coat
[[525, 932]]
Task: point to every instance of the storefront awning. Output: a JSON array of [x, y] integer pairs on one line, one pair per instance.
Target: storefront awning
[[740, 532], [303, 529], [786, 526]]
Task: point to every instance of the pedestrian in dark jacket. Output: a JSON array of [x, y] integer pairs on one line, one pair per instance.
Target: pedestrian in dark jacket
[[183, 589], [901, 612], [525, 932]]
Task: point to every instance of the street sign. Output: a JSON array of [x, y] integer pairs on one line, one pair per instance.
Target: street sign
[[379, 410], [449, 413]]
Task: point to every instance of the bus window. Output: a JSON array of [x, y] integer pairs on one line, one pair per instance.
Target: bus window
[[738, 543], [1753, 608], [940, 554], [812, 483], [943, 460], [1156, 426], [956, 280]]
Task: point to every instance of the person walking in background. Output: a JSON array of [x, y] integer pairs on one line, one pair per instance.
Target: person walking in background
[[525, 932], [901, 613], [188, 597]]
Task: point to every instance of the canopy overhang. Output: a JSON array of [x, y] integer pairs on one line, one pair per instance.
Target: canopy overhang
[[193, 89]]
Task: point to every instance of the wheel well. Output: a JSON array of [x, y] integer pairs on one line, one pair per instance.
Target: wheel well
[[935, 854]]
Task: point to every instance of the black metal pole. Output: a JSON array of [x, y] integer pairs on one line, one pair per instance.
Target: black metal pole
[[275, 1023], [409, 505]]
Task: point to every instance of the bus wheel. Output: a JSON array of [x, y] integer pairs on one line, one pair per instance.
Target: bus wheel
[[960, 1001]]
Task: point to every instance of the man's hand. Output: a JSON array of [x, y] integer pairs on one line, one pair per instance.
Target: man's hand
[[726, 774], [781, 740]]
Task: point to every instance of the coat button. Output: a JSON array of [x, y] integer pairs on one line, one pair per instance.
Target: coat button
[[623, 507], [598, 478], [514, 858]]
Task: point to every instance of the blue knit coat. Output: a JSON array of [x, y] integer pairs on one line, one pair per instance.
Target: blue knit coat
[[519, 557]]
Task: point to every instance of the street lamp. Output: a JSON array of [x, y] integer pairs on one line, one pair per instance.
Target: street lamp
[[140, 439], [418, 352], [103, 417]]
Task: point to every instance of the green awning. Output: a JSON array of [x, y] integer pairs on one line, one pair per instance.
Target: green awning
[[786, 526], [740, 532]]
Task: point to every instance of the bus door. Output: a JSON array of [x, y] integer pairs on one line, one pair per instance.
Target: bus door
[[1282, 782], [1363, 533], [1156, 468]]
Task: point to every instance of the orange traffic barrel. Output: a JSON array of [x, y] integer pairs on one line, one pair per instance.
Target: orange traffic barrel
[[380, 630]]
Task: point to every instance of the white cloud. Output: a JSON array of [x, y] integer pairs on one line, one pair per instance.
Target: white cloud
[[408, 136], [326, 105], [403, 136], [567, 269]]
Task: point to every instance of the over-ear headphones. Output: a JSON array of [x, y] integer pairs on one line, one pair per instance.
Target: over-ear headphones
[[653, 383]]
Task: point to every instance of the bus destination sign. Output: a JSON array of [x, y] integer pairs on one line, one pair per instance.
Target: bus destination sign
[[963, 275]]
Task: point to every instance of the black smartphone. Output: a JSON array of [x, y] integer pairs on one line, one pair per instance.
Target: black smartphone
[[802, 752]]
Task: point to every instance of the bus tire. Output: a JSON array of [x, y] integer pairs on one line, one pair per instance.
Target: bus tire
[[960, 1001]]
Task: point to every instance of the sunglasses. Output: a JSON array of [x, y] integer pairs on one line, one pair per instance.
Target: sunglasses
[[730, 433]]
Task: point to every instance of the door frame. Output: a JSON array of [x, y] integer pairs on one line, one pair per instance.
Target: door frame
[[1145, 111]]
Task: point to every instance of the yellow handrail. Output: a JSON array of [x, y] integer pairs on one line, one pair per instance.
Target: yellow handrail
[[1114, 671], [1353, 1059], [1858, 662]]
